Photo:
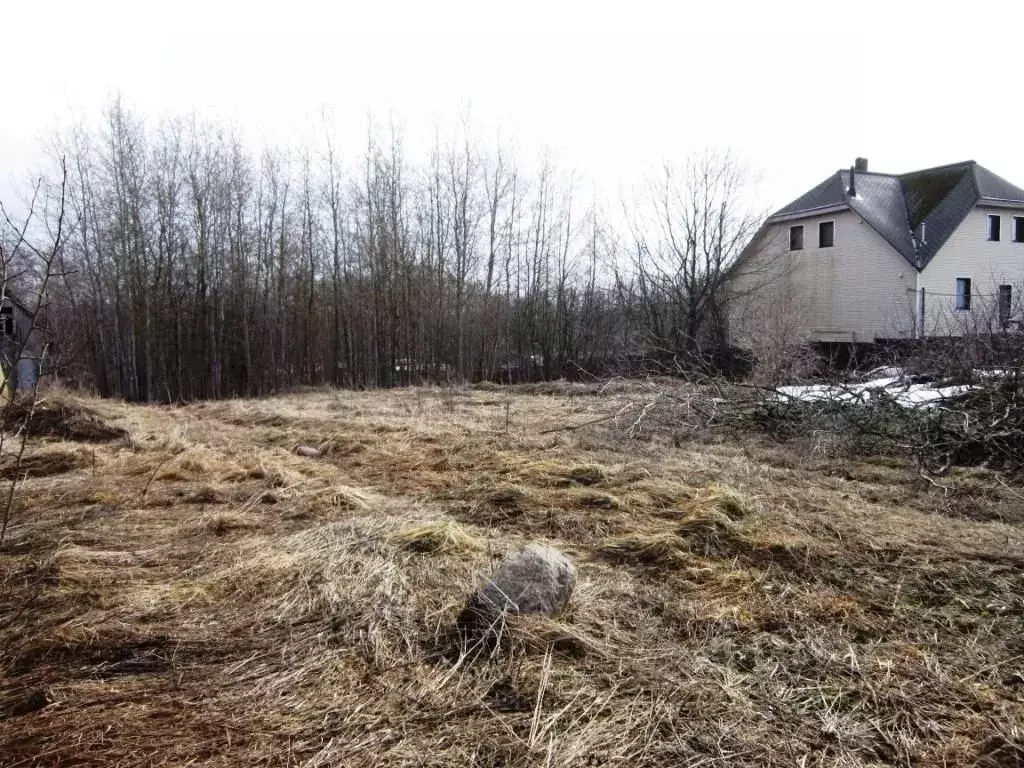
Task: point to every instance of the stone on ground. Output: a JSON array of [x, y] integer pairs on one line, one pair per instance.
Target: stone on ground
[[535, 579]]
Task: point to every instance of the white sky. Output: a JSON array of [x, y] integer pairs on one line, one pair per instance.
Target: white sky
[[795, 89]]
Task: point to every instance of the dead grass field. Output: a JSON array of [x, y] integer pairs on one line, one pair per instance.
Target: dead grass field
[[198, 594]]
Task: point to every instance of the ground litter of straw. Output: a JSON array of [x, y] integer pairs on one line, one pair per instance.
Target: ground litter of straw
[[197, 593]]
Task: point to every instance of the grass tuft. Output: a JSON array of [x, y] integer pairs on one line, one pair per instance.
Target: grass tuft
[[206, 494], [506, 496], [354, 499], [43, 464], [708, 532], [587, 474], [440, 537], [658, 549], [223, 523], [726, 500]]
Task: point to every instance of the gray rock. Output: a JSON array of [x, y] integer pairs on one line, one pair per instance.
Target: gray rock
[[308, 451], [535, 579]]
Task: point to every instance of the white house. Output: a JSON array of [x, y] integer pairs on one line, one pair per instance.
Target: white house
[[867, 256]]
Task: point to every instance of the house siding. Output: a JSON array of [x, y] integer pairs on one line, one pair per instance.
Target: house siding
[[26, 344], [859, 290], [969, 253]]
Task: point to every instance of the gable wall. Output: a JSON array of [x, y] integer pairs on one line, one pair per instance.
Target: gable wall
[[859, 290], [968, 253]]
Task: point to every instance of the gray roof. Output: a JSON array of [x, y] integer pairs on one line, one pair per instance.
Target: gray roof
[[896, 204]]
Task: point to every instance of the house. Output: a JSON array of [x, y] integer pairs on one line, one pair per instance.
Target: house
[[865, 257], [22, 343]]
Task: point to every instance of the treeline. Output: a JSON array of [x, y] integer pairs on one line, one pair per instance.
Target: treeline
[[191, 267]]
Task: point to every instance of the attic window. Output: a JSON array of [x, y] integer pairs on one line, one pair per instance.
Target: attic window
[[7, 320], [963, 294], [826, 234], [1018, 229], [796, 238], [993, 227]]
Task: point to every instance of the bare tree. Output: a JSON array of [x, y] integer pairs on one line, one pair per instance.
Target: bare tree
[[207, 271], [687, 232], [34, 267]]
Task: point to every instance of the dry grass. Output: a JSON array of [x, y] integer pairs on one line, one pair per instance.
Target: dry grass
[[704, 531], [440, 537], [661, 549], [223, 523], [728, 501], [60, 415], [43, 463], [709, 532], [200, 594]]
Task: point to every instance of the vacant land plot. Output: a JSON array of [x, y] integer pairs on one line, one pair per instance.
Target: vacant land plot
[[199, 593]]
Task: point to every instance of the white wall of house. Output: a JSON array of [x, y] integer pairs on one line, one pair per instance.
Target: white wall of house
[[968, 253], [858, 290]]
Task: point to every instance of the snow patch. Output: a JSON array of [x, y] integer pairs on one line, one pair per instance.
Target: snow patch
[[888, 382]]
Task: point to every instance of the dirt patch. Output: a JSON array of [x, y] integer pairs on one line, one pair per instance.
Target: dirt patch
[[65, 420], [44, 464]]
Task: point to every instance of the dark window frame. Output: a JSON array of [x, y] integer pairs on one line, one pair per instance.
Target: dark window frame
[[1018, 229], [964, 295], [832, 234], [995, 232], [1005, 304], [7, 320], [798, 230]]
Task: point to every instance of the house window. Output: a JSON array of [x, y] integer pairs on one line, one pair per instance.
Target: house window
[[963, 293], [993, 227], [7, 320], [826, 234], [1018, 229], [796, 238], [1005, 304]]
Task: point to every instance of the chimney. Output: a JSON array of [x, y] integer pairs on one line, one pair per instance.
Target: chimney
[[852, 191], [862, 164]]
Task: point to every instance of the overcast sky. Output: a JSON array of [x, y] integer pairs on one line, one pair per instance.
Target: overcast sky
[[795, 89]]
